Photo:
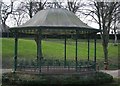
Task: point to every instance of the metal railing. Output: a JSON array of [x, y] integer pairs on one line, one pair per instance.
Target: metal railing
[[56, 65]]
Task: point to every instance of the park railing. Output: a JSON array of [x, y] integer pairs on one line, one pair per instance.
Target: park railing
[[55, 65]]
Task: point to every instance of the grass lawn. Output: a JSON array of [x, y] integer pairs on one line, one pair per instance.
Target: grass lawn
[[54, 49]]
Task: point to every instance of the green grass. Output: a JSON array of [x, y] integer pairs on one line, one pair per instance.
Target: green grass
[[54, 49]]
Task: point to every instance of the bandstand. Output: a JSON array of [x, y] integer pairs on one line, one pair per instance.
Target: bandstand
[[56, 21]]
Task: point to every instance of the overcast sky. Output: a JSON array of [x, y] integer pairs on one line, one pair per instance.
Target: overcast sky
[[11, 23]]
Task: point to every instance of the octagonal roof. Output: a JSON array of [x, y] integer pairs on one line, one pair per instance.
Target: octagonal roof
[[55, 18]]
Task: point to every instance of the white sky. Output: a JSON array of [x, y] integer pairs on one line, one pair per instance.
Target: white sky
[[11, 23]]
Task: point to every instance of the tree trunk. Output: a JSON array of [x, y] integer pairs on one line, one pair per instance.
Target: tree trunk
[[105, 49], [105, 52], [4, 28], [30, 10], [115, 41], [36, 40]]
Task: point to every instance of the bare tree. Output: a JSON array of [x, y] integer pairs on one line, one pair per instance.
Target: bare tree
[[26, 10], [5, 11], [74, 5], [116, 22], [31, 8], [103, 13], [55, 4], [19, 17], [39, 6], [0, 12]]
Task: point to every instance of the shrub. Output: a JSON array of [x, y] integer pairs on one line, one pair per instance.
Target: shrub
[[31, 80]]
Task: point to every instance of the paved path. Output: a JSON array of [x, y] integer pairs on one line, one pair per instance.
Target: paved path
[[3, 71], [0, 77], [114, 73], [6, 70]]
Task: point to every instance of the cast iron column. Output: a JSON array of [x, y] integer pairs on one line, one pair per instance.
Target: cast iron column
[[95, 51], [15, 52], [88, 48], [39, 50], [65, 52], [76, 53]]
